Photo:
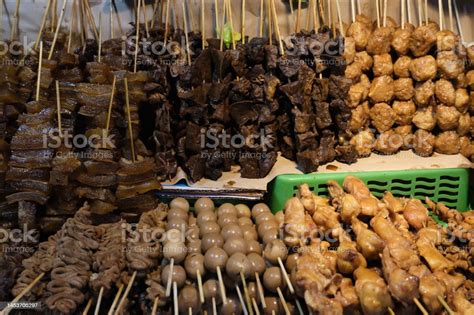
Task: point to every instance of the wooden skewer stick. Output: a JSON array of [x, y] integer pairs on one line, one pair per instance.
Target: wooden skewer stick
[[73, 25], [255, 306], [155, 11], [130, 130], [285, 275], [441, 15], [155, 306], [298, 306], [203, 25], [216, 15], [58, 109], [298, 17], [111, 102], [409, 11], [378, 12], [260, 290], [99, 301], [27, 289], [450, 10], [246, 293], [445, 305], [214, 306], [190, 11], [262, 14], [38, 79], [54, 15], [353, 10], [390, 311], [16, 17], [243, 22], [229, 12], [420, 14], [277, 28], [224, 10], [1, 19], [115, 301], [308, 15], [420, 306], [55, 38], [315, 15], [426, 12], [88, 307], [270, 21], [147, 30], [187, 52], [43, 22], [339, 17], [322, 14], [111, 17], [283, 301], [241, 300], [127, 290], [175, 298], [167, 17], [90, 17], [99, 52], [458, 20], [331, 18], [221, 285], [402, 17], [385, 13], [170, 279], [200, 288], [137, 37]]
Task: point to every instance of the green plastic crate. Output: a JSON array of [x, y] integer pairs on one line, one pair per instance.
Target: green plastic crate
[[449, 186]]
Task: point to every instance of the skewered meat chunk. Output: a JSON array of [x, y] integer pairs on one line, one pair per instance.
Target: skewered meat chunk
[[423, 39], [406, 134], [295, 223], [349, 49], [383, 65], [445, 92], [447, 117], [368, 241], [360, 33], [450, 65], [360, 117], [359, 92], [346, 204], [448, 143], [415, 213], [348, 257], [467, 147], [363, 142], [462, 100], [389, 142], [423, 68], [382, 116], [364, 60], [381, 89], [446, 40], [401, 68], [353, 71], [401, 41], [470, 79], [423, 142], [404, 112], [403, 89], [379, 41], [424, 93], [372, 292]]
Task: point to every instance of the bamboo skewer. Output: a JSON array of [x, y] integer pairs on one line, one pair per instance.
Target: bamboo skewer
[[426, 12], [73, 25], [409, 11], [214, 306], [167, 16], [216, 14], [147, 30], [99, 51], [260, 290], [55, 38], [175, 298], [38, 79], [116, 298], [203, 25], [109, 112], [420, 15], [450, 10], [420, 306], [16, 16], [155, 307], [283, 301], [270, 21], [137, 38], [390, 311], [339, 17], [58, 109], [187, 52], [221, 285], [1, 19], [262, 14], [130, 131], [127, 290], [27, 289], [322, 14], [255, 307], [111, 18], [200, 288], [458, 20], [155, 11], [169, 281], [246, 293], [99, 301], [243, 22], [190, 11], [385, 13], [88, 306], [277, 28], [241, 300], [377, 6], [285, 276], [353, 9], [224, 9], [229, 12], [43, 23], [445, 305], [90, 17], [315, 16], [298, 17], [441, 14], [402, 17]]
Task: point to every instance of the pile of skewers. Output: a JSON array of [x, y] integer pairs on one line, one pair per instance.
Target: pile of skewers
[[349, 253], [412, 84]]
